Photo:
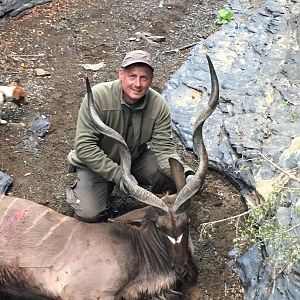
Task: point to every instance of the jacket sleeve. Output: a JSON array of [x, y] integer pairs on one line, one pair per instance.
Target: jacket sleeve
[[162, 143], [87, 144]]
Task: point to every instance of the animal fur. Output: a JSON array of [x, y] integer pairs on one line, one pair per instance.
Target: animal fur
[[14, 93], [46, 255]]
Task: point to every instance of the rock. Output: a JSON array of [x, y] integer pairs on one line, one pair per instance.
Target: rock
[[17, 126], [40, 125], [5, 182], [41, 73], [13, 8], [94, 67], [254, 133]]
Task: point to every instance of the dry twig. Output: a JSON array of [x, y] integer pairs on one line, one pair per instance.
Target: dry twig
[[290, 175], [229, 218], [182, 48]]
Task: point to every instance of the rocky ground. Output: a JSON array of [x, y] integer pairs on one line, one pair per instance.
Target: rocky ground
[[59, 38]]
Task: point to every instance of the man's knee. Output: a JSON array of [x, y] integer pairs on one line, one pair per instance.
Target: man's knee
[[89, 197], [88, 207], [91, 217]]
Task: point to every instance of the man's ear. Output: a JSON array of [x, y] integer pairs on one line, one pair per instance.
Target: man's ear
[[121, 73], [137, 216]]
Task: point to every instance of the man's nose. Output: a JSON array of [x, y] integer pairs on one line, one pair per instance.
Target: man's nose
[[137, 82]]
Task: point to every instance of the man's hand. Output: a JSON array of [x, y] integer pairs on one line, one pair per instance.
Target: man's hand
[[122, 186]]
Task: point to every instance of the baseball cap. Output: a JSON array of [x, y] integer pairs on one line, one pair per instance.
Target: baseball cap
[[137, 56]]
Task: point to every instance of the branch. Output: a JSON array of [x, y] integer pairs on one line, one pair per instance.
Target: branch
[[182, 48], [294, 227], [229, 218], [279, 168], [28, 55]]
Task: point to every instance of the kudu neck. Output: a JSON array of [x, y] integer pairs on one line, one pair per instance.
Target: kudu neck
[[150, 246], [153, 250]]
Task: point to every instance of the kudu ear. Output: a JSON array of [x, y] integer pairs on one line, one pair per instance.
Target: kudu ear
[[137, 216], [177, 173]]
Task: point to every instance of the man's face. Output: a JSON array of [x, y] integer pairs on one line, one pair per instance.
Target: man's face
[[135, 81]]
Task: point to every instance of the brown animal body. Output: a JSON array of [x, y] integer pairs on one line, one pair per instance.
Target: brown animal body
[[46, 255], [12, 92]]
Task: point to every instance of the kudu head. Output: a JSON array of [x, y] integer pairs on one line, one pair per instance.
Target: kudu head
[[169, 214]]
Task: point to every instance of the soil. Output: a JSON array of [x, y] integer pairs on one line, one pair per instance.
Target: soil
[[59, 38]]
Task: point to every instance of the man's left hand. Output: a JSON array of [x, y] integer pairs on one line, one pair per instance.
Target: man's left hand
[[122, 186]]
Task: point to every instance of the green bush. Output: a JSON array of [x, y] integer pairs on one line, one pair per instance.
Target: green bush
[[225, 15]]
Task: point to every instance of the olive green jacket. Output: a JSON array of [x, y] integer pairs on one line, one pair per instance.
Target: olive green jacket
[[148, 123]]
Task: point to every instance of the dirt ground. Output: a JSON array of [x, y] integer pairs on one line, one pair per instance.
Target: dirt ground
[[59, 38]]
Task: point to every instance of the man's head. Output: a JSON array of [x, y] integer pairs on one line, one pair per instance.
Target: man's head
[[136, 75]]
